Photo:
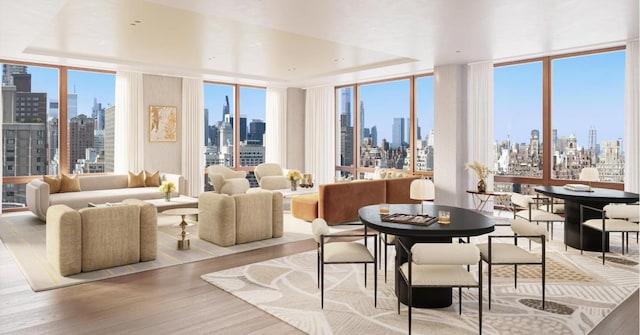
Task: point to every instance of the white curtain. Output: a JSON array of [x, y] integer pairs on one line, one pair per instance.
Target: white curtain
[[320, 127], [193, 136], [129, 123], [632, 118], [480, 121], [276, 120], [1, 139]]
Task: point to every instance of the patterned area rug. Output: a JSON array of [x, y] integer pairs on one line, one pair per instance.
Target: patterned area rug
[[24, 236], [580, 292]]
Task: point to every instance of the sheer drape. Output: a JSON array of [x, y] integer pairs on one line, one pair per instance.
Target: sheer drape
[[1, 138], [480, 121], [193, 135], [276, 131], [320, 128], [632, 118], [129, 121]]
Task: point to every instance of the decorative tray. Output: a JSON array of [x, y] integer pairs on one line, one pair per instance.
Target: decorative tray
[[423, 220]]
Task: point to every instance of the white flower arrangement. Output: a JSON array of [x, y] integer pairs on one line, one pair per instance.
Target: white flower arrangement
[[481, 170]]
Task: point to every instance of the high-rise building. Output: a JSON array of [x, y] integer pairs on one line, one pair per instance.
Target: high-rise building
[[72, 106], [346, 106], [225, 108], [257, 129], [374, 136], [397, 132], [97, 112], [8, 70], [54, 108], [80, 136], [52, 149], [593, 144]]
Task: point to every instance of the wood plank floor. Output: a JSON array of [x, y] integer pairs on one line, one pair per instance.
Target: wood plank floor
[[171, 300]]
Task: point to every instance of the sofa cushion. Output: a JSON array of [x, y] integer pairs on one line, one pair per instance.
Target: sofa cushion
[[136, 179], [151, 179], [64, 239], [339, 203], [70, 183], [78, 200], [54, 183], [110, 236]]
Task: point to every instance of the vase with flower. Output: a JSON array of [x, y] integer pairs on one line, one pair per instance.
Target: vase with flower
[[294, 176], [482, 172], [167, 187]]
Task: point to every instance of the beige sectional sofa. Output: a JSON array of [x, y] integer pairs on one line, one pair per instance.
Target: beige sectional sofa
[[101, 237], [233, 219], [95, 189]]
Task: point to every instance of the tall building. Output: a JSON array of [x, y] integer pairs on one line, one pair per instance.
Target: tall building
[[225, 108], [8, 70], [346, 106], [72, 106], [397, 132], [53, 152], [593, 144], [97, 112], [54, 108], [374, 136], [257, 129], [79, 137]]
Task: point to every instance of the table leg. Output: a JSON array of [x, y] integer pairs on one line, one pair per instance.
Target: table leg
[[184, 243]]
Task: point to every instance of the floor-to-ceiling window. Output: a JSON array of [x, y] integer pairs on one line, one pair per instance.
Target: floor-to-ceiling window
[[228, 142], [379, 124], [37, 100], [555, 115]]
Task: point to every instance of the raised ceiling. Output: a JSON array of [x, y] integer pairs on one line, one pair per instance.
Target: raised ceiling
[[304, 42]]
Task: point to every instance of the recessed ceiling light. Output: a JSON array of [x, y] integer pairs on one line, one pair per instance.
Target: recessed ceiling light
[[458, 51], [212, 58], [291, 69]]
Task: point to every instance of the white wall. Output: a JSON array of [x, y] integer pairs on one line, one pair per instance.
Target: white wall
[[163, 91]]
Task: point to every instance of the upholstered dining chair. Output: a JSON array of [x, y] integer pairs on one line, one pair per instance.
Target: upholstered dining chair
[[500, 253], [441, 265], [344, 252], [531, 211], [620, 218]]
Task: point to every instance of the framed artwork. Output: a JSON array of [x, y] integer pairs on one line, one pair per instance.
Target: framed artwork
[[162, 123]]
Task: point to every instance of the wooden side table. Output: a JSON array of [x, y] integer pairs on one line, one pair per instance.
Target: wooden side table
[[184, 243]]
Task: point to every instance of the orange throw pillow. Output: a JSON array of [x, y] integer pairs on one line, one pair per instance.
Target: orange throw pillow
[[136, 179], [70, 183], [54, 183], [152, 179]]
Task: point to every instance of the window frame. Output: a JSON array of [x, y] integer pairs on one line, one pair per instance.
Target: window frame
[[547, 130]]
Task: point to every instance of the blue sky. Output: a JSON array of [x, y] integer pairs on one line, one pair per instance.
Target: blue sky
[[587, 91]]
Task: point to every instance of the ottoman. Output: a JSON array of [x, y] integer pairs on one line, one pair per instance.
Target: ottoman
[[305, 206]]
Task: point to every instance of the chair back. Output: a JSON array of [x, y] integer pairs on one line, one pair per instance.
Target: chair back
[[445, 253], [623, 211], [267, 169], [521, 226], [521, 200], [319, 227]]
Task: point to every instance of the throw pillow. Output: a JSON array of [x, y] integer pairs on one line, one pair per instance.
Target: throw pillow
[[136, 179], [152, 179], [54, 183], [70, 183]]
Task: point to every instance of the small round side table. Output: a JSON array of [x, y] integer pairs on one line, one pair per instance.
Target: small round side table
[[184, 243]]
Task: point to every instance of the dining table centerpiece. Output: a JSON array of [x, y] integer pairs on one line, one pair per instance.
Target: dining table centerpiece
[[483, 173]]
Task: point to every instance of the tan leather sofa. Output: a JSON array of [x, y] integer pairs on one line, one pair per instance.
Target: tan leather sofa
[[339, 203], [240, 218], [96, 238]]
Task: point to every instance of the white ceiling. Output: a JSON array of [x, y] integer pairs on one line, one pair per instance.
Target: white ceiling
[[304, 43]]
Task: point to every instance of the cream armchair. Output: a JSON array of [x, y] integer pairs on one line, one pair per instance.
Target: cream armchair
[[227, 181], [271, 176]]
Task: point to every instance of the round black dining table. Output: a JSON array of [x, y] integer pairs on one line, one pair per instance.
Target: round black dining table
[[463, 223]]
